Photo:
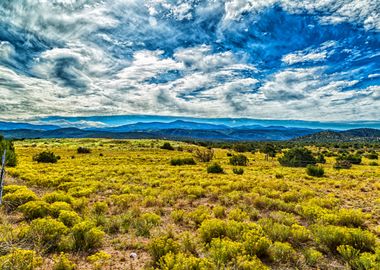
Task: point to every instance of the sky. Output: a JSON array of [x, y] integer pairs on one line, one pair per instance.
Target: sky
[[262, 59]]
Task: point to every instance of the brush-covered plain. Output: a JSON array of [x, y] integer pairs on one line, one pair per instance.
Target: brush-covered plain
[[134, 204]]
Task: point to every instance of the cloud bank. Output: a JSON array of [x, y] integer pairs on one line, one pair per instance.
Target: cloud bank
[[274, 59]]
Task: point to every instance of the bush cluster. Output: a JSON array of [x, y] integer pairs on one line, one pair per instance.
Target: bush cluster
[[46, 157]]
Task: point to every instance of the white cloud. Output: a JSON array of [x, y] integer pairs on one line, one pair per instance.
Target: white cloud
[[300, 57]]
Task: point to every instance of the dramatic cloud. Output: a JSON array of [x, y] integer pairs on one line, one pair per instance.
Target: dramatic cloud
[[279, 59]]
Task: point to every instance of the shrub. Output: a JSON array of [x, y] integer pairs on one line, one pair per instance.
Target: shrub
[[87, 236], [353, 159], [238, 171], [333, 236], [312, 256], [281, 252], [181, 261], [62, 262], [297, 157], [321, 159], [34, 209], [177, 215], [239, 160], [256, 243], [222, 251], [204, 155], [57, 207], [160, 246], [20, 259], [212, 228], [215, 168], [99, 259], [10, 158], [100, 208], [316, 171], [12, 200], [249, 263], [145, 223], [219, 211], [373, 163], [57, 196], [238, 215], [182, 161], [372, 155], [342, 164], [46, 157], [46, 233], [69, 218], [83, 150], [167, 146]]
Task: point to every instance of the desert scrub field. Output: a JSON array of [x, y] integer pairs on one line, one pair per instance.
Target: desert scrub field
[[140, 204]]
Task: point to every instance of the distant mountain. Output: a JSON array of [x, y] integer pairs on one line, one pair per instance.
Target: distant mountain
[[16, 125], [188, 131], [360, 134], [178, 124]]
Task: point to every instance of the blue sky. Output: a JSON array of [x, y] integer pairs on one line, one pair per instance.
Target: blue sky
[[262, 59]]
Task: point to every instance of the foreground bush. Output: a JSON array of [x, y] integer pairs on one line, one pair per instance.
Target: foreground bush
[[83, 150], [204, 155], [20, 259], [10, 159], [182, 161], [87, 236], [46, 157], [35, 209], [316, 171], [353, 159], [238, 171], [182, 261], [19, 196], [62, 262], [239, 160], [167, 146], [297, 157], [215, 168], [46, 233], [342, 164], [160, 246]]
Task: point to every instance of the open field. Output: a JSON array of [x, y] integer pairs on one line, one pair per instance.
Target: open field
[[125, 196]]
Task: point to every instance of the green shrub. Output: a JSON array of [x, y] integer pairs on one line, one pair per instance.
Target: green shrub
[[333, 236], [99, 259], [215, 168], [46, 233], [373, 163], [62, 262], [204, 155], [182, 261], [83, 150], [342, 164], [12, 200], [35, 209], [160, 246], [239, 160], [316, 171], [20, 259], [100, 208], [282, 252], [46, 157], [219, 211], [145, 223], [182, 161], [250, 263], [167, 146], [238, 215], [222, 251], [353, 159], [275, 231], [10, 158], [238, 171], [178, 215], [372, 155], [321, 159], [297, 157], [57, 207], [57, 196], [87, 236], [69, 218], [256, 243], [312, 256], [212, 228]]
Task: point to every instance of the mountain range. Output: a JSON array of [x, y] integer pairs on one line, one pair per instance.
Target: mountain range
[[187, 130]]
